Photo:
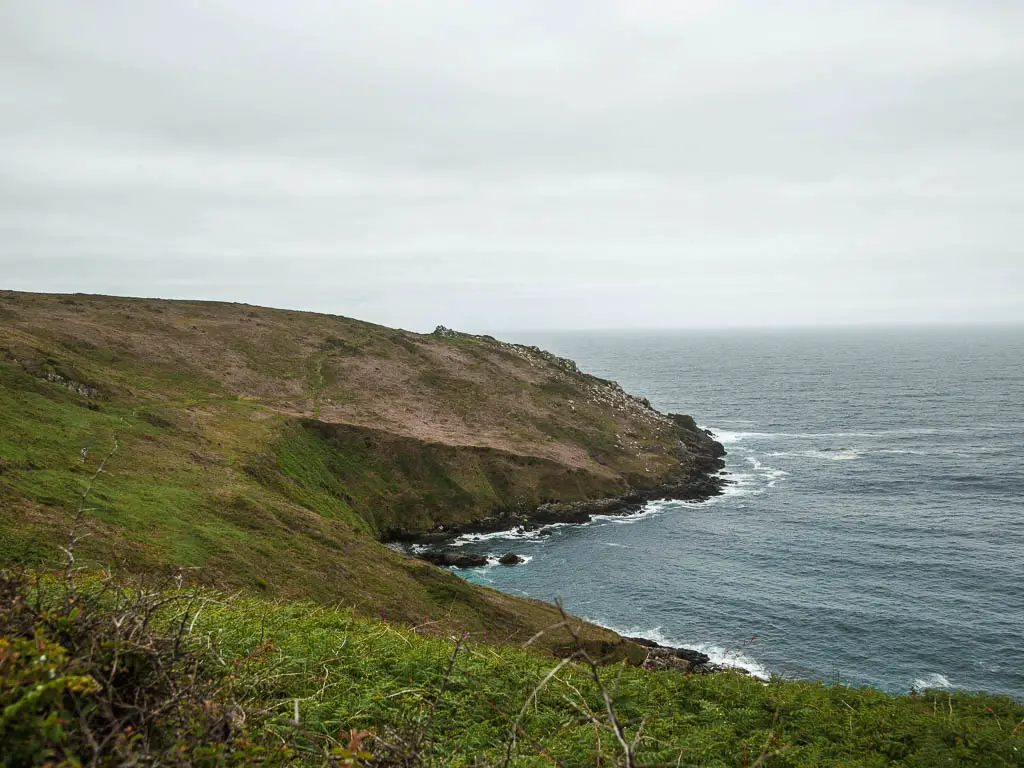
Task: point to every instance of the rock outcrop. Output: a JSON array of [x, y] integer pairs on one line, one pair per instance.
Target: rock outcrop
[[679, 659]]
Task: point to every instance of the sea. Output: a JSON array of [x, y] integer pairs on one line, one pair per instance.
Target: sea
[[873, 530]]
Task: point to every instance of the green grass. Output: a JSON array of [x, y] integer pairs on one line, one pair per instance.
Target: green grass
[[348, 672], [414, 699], [379, 482]]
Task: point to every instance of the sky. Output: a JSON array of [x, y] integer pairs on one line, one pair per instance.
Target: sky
[[522, 165]]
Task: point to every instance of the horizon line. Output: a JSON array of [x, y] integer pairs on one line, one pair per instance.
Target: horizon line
[[921, 324]]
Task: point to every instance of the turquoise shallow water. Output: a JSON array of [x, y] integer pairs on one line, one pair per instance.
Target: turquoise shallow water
[[875, 529]]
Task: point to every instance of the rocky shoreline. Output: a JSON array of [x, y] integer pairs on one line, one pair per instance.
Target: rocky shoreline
[[678, 659]]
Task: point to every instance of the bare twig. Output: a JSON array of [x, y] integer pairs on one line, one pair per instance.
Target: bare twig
[[74, 536]]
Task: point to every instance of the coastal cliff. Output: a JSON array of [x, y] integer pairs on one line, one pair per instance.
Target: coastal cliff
[[273, 450]]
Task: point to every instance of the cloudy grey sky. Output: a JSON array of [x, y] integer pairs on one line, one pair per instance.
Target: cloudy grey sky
[[512, 165]]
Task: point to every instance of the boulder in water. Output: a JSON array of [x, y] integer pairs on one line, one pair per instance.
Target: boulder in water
[[454, 559]]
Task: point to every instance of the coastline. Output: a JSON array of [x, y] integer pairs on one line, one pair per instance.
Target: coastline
[[701, 477], [662, 654], [571, 513], [698, 476]]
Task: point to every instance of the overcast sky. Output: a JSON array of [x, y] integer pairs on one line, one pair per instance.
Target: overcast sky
[[516, 165]]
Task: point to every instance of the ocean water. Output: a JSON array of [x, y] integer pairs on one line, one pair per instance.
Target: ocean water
[[874, 533]]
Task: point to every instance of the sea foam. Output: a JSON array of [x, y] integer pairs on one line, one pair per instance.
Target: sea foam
[[932, 680]]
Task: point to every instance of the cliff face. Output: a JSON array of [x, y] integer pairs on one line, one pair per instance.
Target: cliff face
[[270, 448]]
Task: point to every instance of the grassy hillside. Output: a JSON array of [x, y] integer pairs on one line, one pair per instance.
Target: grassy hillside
[[270, 450]]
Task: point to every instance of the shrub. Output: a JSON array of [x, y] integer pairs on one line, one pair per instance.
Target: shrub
[[92, 674]]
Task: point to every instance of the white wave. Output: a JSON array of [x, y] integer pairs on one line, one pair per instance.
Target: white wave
[[629, 519], [753, 483], [661, 504], [731, 658], [491, 564], [740, 484], [726, 437], [649, 509], [845, 454], [407, 549], [513, 534], [492, 560], [730, 436], [957, 452], [932, 680], [768, 472]]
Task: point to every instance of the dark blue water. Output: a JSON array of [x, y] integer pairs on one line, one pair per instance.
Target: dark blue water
[[875, 532]]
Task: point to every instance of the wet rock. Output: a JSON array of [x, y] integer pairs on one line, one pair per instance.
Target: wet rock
[[664, 658], [454, 559], [510, 558], [694, 657], [679, 659]]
